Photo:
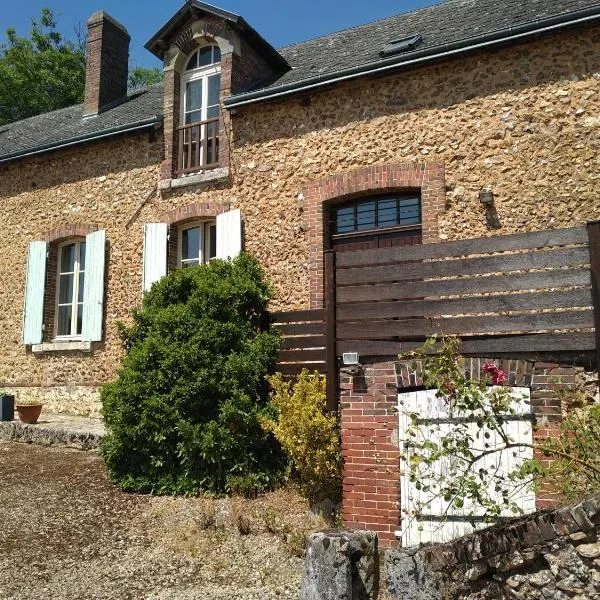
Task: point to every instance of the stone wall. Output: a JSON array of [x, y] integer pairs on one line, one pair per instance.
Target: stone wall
[[523, 121], [553, 555]]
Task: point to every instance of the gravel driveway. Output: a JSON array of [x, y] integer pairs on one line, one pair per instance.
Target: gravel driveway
[[67, 533]]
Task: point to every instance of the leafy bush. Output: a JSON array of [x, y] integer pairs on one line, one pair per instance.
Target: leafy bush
[[308, 435], [184, 414]]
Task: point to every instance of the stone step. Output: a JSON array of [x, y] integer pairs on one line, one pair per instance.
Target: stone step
[[55, 429]]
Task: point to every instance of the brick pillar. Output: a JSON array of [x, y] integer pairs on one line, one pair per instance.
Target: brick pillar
[[369, 422], [107, 63]]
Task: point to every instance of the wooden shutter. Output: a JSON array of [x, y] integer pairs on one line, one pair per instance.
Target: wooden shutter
[[155, 253], [33, 315], [93, 286], [229, 234]]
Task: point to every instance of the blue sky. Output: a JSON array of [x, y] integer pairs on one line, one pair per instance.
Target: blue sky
[[280, 22]]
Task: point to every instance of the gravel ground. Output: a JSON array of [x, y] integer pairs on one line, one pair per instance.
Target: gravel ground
[[67, 533]]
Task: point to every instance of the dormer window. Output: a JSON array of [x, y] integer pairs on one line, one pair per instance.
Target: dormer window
[[200, 112]]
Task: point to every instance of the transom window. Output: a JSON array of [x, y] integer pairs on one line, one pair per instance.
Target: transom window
[[200, 89], [71, 275], [377, 213], [197, 243]]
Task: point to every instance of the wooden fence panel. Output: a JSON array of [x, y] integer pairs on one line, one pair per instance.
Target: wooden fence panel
[[516, 293]]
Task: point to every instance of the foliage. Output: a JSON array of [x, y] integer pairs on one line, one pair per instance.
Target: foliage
[[576, 449], [470, 449], [40, 73], [308, 435], [140, 77], [184, 414]]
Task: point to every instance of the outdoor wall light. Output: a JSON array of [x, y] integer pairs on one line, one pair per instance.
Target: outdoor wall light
[[486, 197], [351, 363]]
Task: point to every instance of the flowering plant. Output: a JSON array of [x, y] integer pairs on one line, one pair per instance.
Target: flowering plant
[[496, 375]]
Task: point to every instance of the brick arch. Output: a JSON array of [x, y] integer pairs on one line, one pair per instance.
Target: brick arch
[[204, 210], [429, 178], [67, 231]]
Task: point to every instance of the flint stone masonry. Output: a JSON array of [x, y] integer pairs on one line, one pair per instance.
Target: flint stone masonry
[[521, 121], [341, 565], [550, 555]]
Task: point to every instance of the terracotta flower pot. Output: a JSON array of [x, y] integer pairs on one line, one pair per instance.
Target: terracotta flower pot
[[29, 413]]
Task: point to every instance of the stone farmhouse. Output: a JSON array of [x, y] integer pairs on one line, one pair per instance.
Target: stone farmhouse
[[467, 119]]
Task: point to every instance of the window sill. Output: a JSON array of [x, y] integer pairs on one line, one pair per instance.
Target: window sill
[[212, 176], [66, 346]]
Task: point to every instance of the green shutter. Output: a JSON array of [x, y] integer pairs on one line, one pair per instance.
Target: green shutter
[[33, 315], [93, 286]]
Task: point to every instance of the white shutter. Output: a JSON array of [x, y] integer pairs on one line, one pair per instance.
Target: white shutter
[[229, 234], [93, 286], [33, 315], [155, 253], [440, 521]]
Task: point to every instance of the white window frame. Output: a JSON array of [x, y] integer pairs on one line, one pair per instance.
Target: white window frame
[[75, 296], [194, 75], [204, 245]]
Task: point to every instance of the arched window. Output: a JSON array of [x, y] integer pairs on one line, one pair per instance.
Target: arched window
[[200, 110]]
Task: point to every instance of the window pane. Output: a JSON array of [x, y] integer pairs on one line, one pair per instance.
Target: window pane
[[65, 293], [344, 220], [193, 117], [64, 319], [410, 211], [217, 54], [212, 113], [386, 213], [365, 215], [193, 95], [190, 243], [212, 241], [82, 256], [192, 63], [205, 56], [80, 291], [79, 318], [214, 86], [67, 258]]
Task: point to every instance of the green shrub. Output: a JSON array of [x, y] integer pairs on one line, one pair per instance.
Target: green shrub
[[308, 435], [184, 414]]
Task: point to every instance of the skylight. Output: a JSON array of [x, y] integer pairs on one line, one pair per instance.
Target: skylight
[[403, 45]]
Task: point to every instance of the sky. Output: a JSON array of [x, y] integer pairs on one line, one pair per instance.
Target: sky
[[280, 22]]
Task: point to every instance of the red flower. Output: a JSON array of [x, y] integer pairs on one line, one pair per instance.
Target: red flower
[[498, 376]]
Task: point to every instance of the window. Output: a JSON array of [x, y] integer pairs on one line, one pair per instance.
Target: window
[[377, 213], [65, 284], [70, 286], [200, 111], [197, 243]]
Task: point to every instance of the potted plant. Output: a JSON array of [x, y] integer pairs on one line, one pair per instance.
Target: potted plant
[[28, 410]]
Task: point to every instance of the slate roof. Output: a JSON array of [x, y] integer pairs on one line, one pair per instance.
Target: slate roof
[[454, 22], [451, 25], [67, 126]]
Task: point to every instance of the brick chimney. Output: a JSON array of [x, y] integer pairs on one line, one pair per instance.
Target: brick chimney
[[107, 63]]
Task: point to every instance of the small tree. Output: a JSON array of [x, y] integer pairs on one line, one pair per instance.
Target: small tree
[[184, 414], [309, 436]]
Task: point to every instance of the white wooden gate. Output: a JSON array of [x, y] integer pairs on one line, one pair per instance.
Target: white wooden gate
[[426, 517]]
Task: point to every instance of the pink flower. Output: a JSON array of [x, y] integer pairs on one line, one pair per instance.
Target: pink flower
[[498, 376]]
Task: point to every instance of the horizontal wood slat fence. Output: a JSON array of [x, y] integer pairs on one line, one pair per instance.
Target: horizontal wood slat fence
[[302, 341], [522, 293], [529, 292]]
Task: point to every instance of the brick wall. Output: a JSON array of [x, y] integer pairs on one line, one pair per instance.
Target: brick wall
[[369, 425]]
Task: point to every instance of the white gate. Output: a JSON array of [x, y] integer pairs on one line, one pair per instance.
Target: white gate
[[426, 517]]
